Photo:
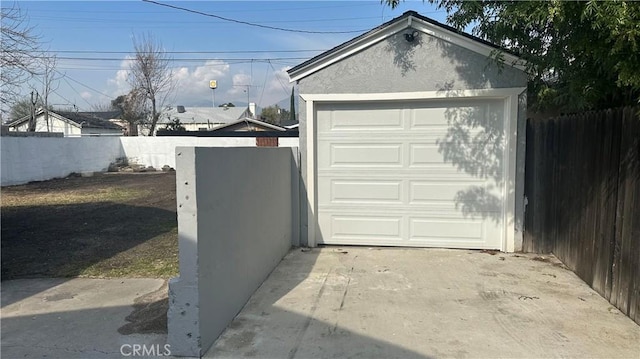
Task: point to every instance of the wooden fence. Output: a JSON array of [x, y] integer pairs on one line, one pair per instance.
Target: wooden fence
[[583, 192]]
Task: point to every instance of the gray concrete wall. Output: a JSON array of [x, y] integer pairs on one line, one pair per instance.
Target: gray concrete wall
[[237, 209], [395, 65]]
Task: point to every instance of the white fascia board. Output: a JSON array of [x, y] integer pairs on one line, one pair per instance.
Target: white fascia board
[[418, 95], [410, 22], [64, 119], [369, 40]]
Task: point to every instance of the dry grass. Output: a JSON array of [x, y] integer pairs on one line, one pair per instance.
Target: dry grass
[[116, 225]]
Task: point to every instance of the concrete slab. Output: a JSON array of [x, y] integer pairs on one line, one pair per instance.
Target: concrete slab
[[77, 318], [355, 302]]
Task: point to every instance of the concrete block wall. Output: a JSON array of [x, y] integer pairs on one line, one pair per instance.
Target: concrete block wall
[[237, 218]]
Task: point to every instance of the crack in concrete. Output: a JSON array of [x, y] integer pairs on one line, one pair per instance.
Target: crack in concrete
[[307, 323]]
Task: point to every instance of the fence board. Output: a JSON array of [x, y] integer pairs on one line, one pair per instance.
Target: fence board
[[582, 182]]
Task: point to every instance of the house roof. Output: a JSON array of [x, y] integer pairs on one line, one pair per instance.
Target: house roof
[[80, 119], [288, 123], [203, 115], [258, 123], [409, 19]]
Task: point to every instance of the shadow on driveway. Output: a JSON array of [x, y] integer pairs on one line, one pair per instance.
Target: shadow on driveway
[[358, 302]]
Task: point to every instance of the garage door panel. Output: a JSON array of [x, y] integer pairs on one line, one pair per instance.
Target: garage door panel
[[426, 228], [340, 226], [424, 154], [383, 119], [432, 191], [360, 191], [428, 118], [370, 155]]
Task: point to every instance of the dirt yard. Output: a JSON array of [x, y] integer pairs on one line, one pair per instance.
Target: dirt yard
[[109, 225]]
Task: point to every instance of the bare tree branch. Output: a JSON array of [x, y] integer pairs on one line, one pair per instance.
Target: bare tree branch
[[18, 47], [150, 74]]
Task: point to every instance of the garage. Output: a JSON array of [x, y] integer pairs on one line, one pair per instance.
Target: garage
[[411, 135]]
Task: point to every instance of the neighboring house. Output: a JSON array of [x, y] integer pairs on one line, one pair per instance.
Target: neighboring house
[[72, 123], [290, 125], [411, 135], [205, 118], [249, 124]]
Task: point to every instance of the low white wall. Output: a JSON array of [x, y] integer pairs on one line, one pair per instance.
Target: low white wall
[[26, 159], [235, 223], [160, 151]]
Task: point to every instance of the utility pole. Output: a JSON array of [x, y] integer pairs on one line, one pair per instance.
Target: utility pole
[[213, 84], [247, 90], [32, 121]]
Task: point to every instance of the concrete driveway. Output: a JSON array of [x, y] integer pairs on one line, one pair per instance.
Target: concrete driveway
[[341, 302], [82, 318], [357, 302]]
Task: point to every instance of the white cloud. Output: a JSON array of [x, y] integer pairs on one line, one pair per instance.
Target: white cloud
[[278, 87], [119, 85], [239, 84], [192, 83], [86, 95]]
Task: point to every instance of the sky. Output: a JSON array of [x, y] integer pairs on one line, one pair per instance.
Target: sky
[[93, 41]]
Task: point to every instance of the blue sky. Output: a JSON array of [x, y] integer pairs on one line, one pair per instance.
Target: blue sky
[[92, 40]]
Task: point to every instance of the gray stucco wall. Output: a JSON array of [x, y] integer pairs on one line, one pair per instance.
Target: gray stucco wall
[[236, 212], [427, 64]]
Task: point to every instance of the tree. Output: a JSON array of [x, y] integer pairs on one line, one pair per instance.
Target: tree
[[292, 107], [274, 115], [580, 55], [174, 125], [48, 77], [132, 108], [21, 108], [230, 104], [105, 107], [150, 75], [18, 46]]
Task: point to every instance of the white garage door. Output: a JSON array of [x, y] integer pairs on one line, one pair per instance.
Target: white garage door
[[423, 174]]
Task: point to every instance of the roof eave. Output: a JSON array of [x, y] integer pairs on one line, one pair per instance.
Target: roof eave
[[408, 19]]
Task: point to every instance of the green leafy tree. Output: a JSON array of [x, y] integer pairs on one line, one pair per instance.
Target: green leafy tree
[[21, 108], [580, 55], [174, 125], [274, 115], [133, 109]]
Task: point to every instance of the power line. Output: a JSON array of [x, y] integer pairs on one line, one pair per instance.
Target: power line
[[81, 84], [250, 23], [188, 52], [76, 91], [174, 59], [94, 20], [270, 9], [275, 74]]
